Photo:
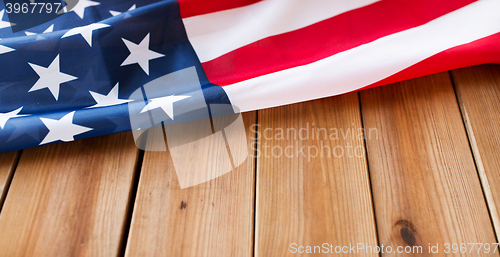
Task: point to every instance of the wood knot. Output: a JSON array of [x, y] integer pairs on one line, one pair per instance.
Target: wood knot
[[183, 205], [407, 232]]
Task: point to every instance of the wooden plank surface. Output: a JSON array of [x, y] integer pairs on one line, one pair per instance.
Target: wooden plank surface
[[8, 162], [210, 219], [312, 197], [69, 199], [478, 91], [73, 199], [425, 186]]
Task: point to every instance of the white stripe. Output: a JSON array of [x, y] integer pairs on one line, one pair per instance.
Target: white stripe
[[216, 34], [364, 65]]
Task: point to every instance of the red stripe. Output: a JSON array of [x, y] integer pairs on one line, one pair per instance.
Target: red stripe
[[325, 38], [197, 7], [485, 50]]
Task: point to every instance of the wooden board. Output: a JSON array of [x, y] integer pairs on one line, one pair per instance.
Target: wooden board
[[8, 162], [425, 185], [478, 91], [316, 197], [69, 199], [210, 219]]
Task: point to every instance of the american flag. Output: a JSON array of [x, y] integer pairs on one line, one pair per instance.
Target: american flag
[[73, 77]]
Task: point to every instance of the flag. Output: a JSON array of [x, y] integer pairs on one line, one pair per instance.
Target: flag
[[79, 75]]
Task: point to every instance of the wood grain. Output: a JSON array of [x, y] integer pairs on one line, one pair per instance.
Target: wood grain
[[210, 219], [310, 198], [478, 91], [7, 165], [69, 199], [426, 187]]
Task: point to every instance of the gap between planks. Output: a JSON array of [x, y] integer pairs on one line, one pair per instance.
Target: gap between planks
[[8, 164], [311, 200], [69, 199], [426, 187], [214, 218], [478, 95]]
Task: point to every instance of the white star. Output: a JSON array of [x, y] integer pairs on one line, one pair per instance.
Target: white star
[[79, 9], [48, 30], [140, 54], [50, 77], [115, 13], [108, 100], [4, 117], [4, 49], [85, 31], [3, 24], [62, 129], [166, 103]]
